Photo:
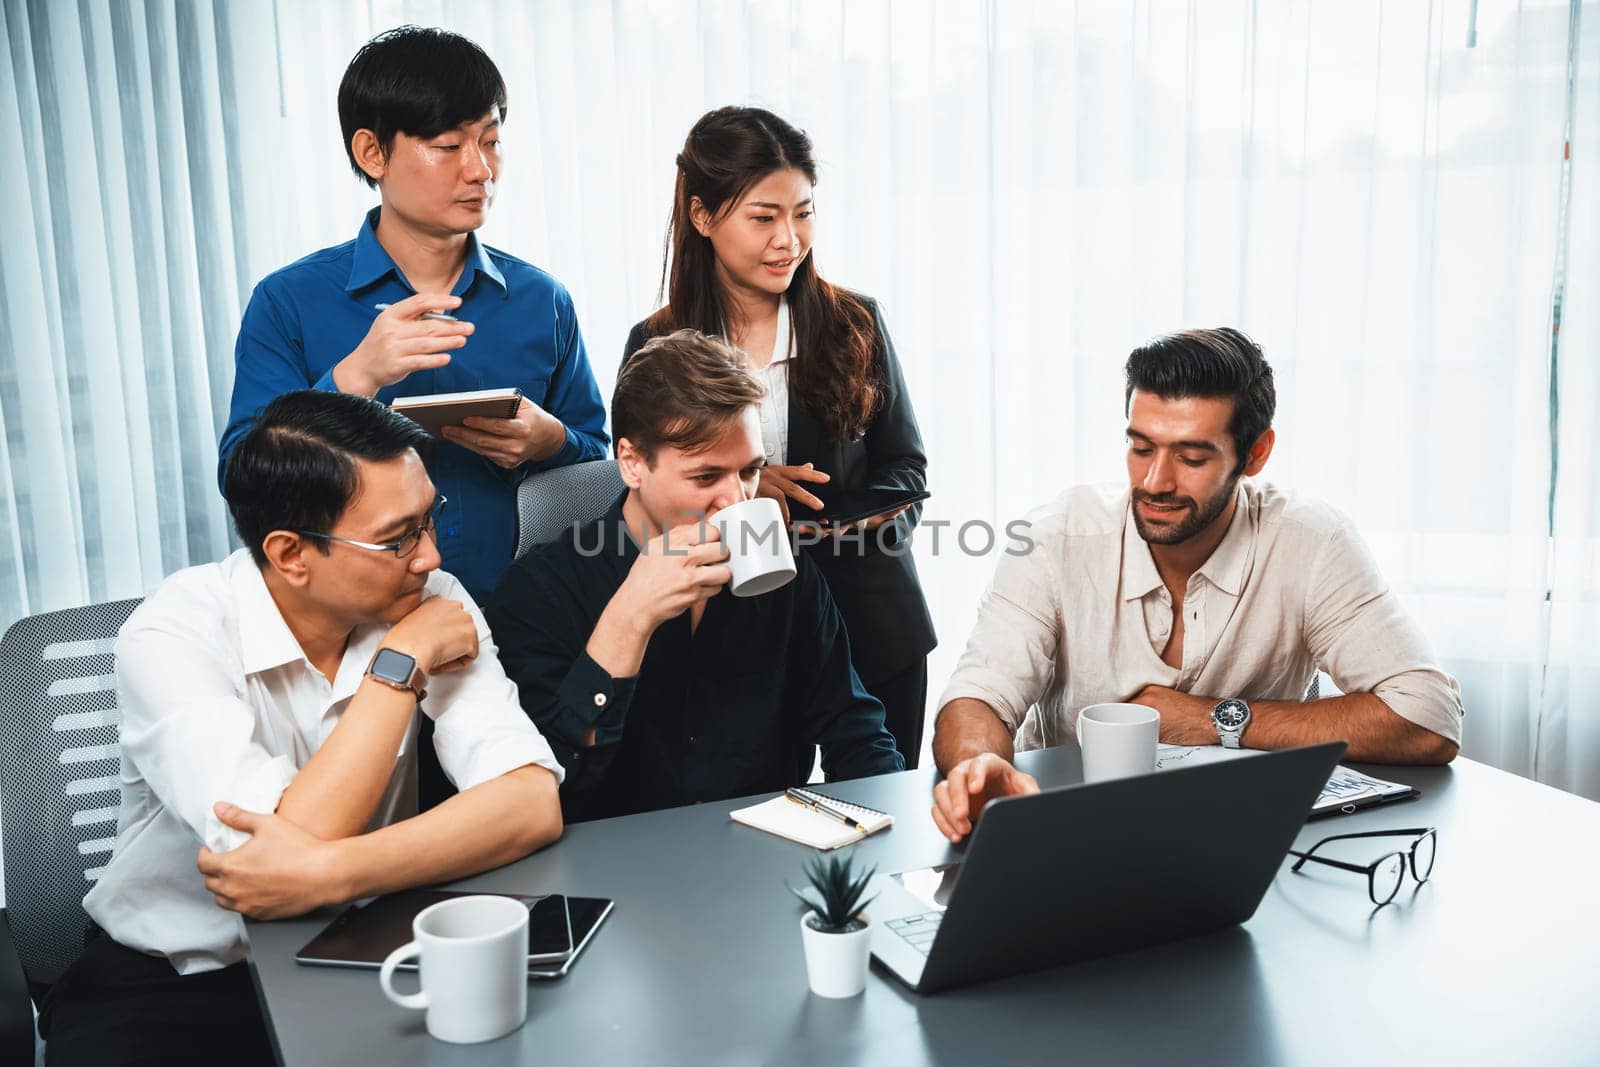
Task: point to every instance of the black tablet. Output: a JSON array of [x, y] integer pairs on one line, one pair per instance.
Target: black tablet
[[841, 507], [363, 935]]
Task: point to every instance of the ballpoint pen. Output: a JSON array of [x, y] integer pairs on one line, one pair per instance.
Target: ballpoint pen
[[817, 805], [437, 316]]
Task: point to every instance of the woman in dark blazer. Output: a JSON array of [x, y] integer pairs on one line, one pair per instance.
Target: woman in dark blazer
[[738, 265]]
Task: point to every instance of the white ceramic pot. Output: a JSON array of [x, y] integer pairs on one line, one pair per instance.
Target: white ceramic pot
[[836, 964]]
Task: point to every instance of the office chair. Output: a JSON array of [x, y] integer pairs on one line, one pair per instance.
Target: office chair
[[551, 502], [59, 794]]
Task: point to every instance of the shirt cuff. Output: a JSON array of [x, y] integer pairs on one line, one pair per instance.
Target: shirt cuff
[[326, 383], [589, 698], [564, 456], [1009, 715], [1427, 698], [259, 792], [485, 756]]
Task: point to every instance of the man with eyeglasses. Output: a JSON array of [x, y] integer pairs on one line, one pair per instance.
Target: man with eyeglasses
[[269, 735]]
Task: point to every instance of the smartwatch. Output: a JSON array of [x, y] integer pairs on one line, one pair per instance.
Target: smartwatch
[[398, 671], [1230, 717]]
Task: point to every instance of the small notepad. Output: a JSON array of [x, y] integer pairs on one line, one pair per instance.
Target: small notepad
[[798, 823]]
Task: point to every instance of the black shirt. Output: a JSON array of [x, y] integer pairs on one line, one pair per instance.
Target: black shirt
[[733, 709], [873, 578]]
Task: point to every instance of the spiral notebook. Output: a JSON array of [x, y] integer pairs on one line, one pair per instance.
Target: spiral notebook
[[798, 823]]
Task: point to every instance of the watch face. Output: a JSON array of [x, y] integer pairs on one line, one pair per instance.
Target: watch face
[[393, 666], [1231, 714]]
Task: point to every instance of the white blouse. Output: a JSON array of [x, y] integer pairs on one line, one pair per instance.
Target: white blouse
[[775, 405]]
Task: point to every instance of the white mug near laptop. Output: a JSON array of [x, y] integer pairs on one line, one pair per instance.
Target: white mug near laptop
[[758, 546], [1118, 740], [474, 968]]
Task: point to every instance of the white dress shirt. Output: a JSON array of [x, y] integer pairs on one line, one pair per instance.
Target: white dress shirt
[[1084, 617], [774, 409], [219, 703]]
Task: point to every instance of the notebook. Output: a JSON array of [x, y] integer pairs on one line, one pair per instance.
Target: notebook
[[800, 824], [433, 413]]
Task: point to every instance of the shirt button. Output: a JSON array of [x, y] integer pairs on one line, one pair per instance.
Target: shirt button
[[599, 700], [692, 739]]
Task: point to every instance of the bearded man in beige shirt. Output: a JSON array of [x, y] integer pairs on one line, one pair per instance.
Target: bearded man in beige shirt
[[1193, 586]]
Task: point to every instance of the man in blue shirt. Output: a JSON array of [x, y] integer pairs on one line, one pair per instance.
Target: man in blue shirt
[[417, 305]]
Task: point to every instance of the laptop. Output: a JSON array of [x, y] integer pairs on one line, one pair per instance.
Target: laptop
[[1084, 871]]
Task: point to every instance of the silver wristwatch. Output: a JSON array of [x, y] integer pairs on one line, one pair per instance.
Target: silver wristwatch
[[1230, 717]]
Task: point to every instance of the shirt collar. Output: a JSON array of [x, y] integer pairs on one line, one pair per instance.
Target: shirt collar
[[1224, 568], [783, 340], [265, 641], [1226, 565], [371, 262], [1139, 575]]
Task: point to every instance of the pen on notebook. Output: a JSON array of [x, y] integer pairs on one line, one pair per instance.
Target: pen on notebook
[[817, 805], [438, 316]]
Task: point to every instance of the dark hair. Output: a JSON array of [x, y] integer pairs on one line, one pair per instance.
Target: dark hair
[[296, 470], [729, 150], [1209, 363], [419, 82], [683, 390]]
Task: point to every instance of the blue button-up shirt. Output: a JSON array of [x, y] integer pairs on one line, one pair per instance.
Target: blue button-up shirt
[[302, 320]]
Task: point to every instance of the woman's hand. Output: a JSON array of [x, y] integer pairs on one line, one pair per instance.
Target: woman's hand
[[783, 484]]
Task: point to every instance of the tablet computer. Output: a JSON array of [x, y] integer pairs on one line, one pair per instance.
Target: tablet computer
[[841, 507], [363, 935], [438, 410]]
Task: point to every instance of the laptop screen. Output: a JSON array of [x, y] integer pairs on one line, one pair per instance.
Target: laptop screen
[[931, 885]]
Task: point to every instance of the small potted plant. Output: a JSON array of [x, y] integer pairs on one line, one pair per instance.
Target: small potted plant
[[835, 932]]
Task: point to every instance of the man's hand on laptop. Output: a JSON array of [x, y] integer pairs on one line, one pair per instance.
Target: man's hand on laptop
[[972, 783]]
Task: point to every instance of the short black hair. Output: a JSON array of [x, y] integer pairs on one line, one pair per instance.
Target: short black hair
[[416, 81], [1209, 363], [296, 467]]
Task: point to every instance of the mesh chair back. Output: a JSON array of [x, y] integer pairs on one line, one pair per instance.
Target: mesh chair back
[[58, 775], [551, 502]]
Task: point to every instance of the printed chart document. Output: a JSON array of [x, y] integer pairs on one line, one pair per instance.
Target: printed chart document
[[1347, 790]]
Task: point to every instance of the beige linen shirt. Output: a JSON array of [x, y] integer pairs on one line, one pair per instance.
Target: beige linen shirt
[[1083, 617]]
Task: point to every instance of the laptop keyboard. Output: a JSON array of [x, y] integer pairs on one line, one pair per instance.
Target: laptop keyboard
[[918, 930]]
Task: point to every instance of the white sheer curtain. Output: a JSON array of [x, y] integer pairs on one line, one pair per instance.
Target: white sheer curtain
[[1029, 188]]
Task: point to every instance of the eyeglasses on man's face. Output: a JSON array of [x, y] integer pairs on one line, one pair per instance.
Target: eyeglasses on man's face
[[1384, 874], [401, 547]]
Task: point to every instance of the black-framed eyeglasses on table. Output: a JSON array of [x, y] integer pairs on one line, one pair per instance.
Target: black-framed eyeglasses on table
[[1384, 874], [402, 547]]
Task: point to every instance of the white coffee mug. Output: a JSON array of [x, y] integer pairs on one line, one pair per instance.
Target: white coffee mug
[[1118, 740], [473, 965], [758, 545]]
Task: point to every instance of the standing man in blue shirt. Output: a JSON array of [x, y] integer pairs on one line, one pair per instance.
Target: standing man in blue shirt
[[415, 304]]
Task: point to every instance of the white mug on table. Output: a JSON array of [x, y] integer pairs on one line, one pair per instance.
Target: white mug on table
[[1118, 740], [473, 963]]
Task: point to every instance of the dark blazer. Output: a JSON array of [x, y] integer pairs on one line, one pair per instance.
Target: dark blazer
[[876, 588]]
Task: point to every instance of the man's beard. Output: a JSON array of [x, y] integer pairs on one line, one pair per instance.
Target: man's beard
[[1196, 519]]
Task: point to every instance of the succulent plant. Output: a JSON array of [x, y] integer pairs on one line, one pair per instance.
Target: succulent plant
[[837, 899]]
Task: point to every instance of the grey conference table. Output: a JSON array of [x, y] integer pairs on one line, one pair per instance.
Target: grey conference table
[[1496, 960]]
